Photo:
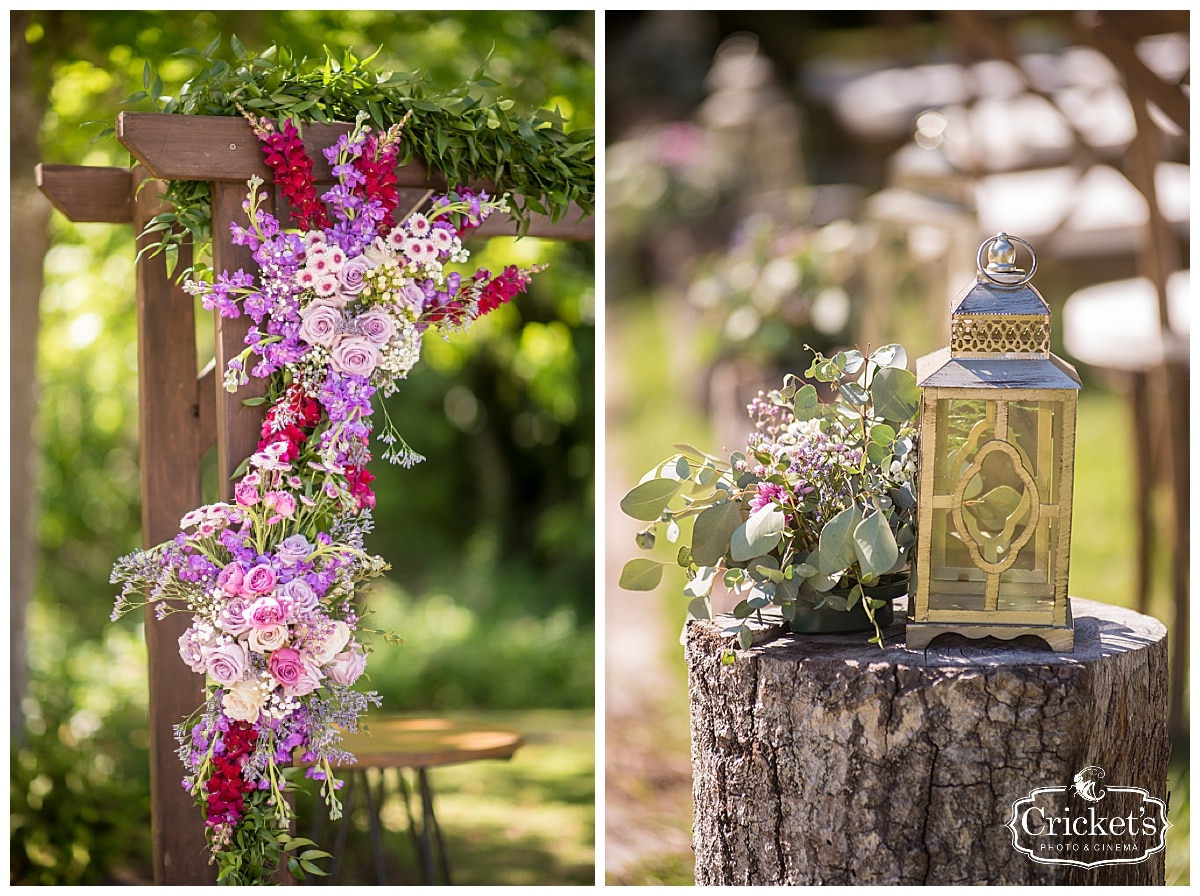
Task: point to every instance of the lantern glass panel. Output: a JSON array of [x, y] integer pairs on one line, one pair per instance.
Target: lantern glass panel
[[994, 521]]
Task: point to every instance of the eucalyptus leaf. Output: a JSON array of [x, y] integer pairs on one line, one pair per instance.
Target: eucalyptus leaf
[[895, 394], [641, 574], [854, 394], [836, 544], [759, 535], [874, 545], [649, 499], [712, 531], [699, 608], [702, 584], [892, 355]]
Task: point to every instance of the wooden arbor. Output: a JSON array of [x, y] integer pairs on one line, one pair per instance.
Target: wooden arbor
[[182, 415]]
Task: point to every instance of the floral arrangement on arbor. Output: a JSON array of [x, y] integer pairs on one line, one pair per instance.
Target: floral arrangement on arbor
[[338, 309], [817, 511]]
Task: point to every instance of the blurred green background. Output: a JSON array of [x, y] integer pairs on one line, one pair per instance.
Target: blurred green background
[[490, 540], [752, 207]]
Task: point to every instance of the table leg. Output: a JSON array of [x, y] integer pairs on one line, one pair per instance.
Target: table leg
[[374, 806], [431, 822]]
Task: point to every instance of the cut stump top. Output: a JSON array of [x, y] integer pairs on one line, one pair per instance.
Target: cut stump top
[[1101, 630]]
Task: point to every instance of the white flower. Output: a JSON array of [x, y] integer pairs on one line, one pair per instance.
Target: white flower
[[264, 640], [243, 701]]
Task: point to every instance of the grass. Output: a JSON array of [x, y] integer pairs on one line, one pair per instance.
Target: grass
[[650, 416], [526, 821]]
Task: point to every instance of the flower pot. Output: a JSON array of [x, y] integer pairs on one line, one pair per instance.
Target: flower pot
[[827, 620]]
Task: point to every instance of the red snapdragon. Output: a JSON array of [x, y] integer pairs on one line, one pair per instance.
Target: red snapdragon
[[284, 153]]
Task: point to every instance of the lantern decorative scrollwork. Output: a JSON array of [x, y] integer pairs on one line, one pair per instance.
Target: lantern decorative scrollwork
[[997, 467]]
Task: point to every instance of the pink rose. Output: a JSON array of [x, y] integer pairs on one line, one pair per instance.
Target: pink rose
[[231, 579], [320, 322], [259, 580], [376, 326], [266, 612], [246, 494], [282, 502], [309, 681], [226, 663], [354, 356], [286, 665], [352, 276], [347, 666]]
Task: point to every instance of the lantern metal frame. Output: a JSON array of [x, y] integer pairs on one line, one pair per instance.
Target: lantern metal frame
[[1014, 404]]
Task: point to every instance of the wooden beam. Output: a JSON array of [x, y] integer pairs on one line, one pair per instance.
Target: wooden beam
[[216, 148], [1108, 35], [85, 194], [92, 194], [574, 226], [168, 419]]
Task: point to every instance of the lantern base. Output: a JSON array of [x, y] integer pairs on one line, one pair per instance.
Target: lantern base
[[918, 635]]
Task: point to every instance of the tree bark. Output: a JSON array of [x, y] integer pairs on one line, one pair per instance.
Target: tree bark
[[29, 216], [823, 760]]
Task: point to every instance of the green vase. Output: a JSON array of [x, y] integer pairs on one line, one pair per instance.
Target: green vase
[[827, 620]]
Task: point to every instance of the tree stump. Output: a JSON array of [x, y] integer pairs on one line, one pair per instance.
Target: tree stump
[[820, 759]]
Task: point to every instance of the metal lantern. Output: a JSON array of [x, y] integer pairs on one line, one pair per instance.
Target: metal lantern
[[997, 466]]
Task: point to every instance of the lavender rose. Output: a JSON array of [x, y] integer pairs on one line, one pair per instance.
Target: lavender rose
[[414, 297], [191, 651], [347, 666], [233, 616], [292, 550], [321, 321], [352, 276], [286, 665], [259, 580], [354, 356], [226, 663], [377, 326], [301, 594]]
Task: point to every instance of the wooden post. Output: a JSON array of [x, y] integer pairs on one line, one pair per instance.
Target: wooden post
[[238, 426], [820, 759], [169, 418]]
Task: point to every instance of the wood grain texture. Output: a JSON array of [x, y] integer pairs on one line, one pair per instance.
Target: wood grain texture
[[214, 148], [823, 760], [238, 427], [168, 416], [88, 195]]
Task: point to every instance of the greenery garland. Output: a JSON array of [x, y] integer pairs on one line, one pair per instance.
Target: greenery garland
[[531, 156]]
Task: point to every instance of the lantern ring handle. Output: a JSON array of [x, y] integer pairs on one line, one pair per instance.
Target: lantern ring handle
[[983, 268]]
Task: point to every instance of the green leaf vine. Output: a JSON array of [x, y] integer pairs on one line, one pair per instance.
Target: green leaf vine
[[531, 155]]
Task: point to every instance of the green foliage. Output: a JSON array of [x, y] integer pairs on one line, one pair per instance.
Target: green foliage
[[457, 131], [823, 499], [80, 784]]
